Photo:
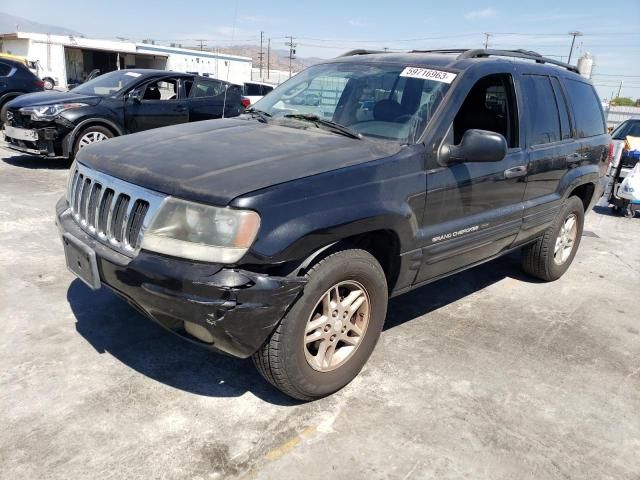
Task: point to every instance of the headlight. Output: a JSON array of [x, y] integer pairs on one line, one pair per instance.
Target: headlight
[[201, 232], [49, 112]]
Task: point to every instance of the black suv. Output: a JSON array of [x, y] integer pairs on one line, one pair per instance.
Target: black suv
[[407, 168], [58, 124], [15, 79]]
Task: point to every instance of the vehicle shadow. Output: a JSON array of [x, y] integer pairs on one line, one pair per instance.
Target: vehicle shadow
[[37, 163], [111, 326], [443, 292]]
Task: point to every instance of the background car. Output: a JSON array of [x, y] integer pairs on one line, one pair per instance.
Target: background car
[[116, 103], [15, 79], [254, 91]]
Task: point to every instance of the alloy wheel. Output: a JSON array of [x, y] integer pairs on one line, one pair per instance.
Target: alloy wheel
[[566, 239], [91, 137], [336, 326]]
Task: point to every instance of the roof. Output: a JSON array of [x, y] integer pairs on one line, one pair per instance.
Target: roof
[[459, 59]]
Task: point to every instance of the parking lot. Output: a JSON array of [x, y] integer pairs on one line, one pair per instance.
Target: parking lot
[[487, 374]]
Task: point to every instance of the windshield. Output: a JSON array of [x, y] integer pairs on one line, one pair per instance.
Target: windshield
[[392, 102], [625, 129], [107, 84]]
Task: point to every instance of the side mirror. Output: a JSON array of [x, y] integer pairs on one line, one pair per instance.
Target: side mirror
[[475, 146], [135, 96]]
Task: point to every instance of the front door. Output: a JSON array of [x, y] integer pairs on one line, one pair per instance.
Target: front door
[[161, 104], [474, 209]]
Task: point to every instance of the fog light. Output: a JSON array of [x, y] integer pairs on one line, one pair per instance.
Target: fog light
[[198, 331]]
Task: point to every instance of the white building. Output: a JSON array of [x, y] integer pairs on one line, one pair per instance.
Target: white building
[[72, 58]]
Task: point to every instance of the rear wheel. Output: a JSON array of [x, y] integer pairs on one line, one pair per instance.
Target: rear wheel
[[48, 83], [91, 135], [329, 333], [551, 255]]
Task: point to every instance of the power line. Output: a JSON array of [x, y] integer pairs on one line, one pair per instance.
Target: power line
[[203, 42]]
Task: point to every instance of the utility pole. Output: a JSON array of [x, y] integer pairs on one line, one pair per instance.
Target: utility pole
[[261, 54], [202, 42], [292, 52], [486, 39], [573, 34], [620, 89], [268, 58]]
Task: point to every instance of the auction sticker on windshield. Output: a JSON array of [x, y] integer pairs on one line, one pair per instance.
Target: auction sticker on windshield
[[428, 74]]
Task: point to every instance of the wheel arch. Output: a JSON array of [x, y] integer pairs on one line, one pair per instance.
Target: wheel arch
[[70, 139]]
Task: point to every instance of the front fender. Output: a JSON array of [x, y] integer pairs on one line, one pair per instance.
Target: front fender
[[81, 122], [302, 216]]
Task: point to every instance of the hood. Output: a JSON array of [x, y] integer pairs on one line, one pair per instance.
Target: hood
[[216, 161], [50, 97]]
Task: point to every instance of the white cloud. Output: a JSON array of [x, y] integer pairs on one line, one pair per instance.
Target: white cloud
[[480, 14], [357, 22]]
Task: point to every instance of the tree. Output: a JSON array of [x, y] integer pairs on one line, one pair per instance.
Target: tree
[[623, 102]]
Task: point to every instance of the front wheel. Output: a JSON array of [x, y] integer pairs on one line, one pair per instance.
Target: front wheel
[[89, 136], [550, 256], [327, 336], [48, 84]]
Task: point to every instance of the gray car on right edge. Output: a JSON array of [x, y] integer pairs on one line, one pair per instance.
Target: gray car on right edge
[[281, 234]]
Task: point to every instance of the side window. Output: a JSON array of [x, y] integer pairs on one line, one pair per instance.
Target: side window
[[543, 119], [165, 89], [4, 69], [561, 101], [586, 108], [206, 88], [252, 89], [490, 105], [266, 89], [187, 86]]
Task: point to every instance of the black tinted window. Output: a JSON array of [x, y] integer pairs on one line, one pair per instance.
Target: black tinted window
[[542, 112], [587, 111], [252, 89], [627, 128], [561, 101], [4, 69], [206, 88]]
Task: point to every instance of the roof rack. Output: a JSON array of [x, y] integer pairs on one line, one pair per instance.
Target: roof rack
[[482, 52], [361, 51], [526, 54]]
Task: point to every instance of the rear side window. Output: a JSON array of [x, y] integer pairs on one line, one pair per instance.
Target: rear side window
[[253, 89], [543, 121], [206, 88], [561, 101], [587, 112], [4, 69]]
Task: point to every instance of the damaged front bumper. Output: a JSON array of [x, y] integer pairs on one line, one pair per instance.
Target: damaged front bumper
[[225, 309]]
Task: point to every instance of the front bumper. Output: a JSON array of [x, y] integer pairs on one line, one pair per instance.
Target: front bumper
[[238, 308], [46, 139]]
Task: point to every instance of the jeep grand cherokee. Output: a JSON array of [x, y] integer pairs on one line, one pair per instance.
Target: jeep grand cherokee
[[359, 179]]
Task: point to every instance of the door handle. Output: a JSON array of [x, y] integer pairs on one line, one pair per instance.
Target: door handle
[[515, 172]]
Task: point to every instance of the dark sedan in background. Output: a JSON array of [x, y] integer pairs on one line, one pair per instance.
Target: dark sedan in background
[[15, 79], [58, 124]]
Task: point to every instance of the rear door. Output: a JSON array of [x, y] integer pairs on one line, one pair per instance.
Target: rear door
[[208, 98], [551, 148], [161, 104]]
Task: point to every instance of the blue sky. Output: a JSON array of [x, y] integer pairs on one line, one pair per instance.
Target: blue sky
[[327, 28]]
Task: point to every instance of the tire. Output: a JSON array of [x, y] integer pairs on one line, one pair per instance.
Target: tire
[[97, 132], [541, 259], [48, 83], [3, 110], [286, 360]]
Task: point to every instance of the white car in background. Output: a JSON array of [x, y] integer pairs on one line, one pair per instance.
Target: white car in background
[[44, 74], [254, 91]]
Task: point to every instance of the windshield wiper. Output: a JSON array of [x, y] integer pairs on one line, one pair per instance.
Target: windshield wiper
[[321, 122], [262, 115]]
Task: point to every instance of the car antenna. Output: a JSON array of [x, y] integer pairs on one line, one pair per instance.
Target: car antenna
[[233, 34]]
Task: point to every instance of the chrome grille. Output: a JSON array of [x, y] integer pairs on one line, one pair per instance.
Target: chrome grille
[[114, 212]]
